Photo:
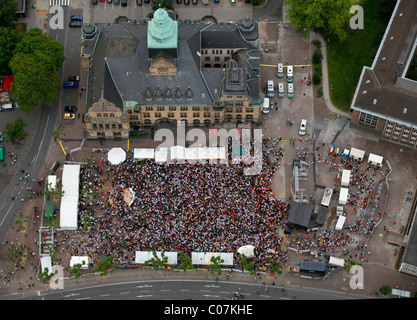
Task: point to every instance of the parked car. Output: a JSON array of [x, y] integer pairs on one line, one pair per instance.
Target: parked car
[[71, 85], [179, 1], [76, 18], [280, 72], [70, 109], [116, 2], [281, 92], [95, 2], [303, 126], [108, 1], [76, 24], [74, 78], [232, 2], [69, 116], [147, 1], [195, 1], [186, 2], [290, 90], [139, 2]]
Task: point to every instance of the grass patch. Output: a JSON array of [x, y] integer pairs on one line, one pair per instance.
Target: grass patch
[[346, 59], [20, 27]]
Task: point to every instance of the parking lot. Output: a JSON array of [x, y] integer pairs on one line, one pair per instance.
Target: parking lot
[[105, 12]]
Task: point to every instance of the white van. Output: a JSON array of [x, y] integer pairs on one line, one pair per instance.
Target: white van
[[281, 92], [280, 72], [290, 90], [265, 108], [7, 107], [270, 88], [290, 73], [303, 126]]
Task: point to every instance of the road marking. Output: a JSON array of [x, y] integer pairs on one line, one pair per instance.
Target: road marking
[[184, 290], [225, 292], [127, 292], [204, 290], [145, 286], [284, 298], [71, 295], [210, 295], [261, 295], [105, 295], [144, 296], [83, 298], [211, 286], [6, 213], [165, 290]]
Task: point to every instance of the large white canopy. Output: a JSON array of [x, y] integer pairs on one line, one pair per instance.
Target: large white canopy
[[142, 256], [79, 260], [116, 156], [375, 159], [247, 250], [203, 258], [143, 153], [69, 200], [161, 154]]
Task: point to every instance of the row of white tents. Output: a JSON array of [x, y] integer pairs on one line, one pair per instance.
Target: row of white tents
[[358, 154], [180, 153], [197, 258]]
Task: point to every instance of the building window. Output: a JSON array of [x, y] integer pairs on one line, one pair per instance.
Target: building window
[[368, 120], [146, 115], [206, 114], [158, 115], [196, 114], [160, 108], [149, 108], [206, 58], [172, 108], [171, 115], [196, 108], [184, 108], [99, 115], [183, 114]]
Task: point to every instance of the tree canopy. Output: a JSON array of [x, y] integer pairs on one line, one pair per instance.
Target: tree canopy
[[8, 41], [328, 16], [8, 13], [35, 65]]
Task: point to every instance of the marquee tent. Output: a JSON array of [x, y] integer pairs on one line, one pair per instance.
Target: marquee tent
[[69, 200], [143, 153], [51, 182], [79, 260], [203, 258], [247, 250], [116, 156], [337, 261], [177, 153], [46, 262], [190, 154], [142, 256], [161, 154], [375, 159], [357, 154]]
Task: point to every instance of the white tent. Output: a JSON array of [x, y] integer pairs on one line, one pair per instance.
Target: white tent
[[161, 154], [247, 250], [340, 223], [203, 153], [198, 258], [345, 178], [143, 153], [46, 262], [218, 153], [69, 200], [343, 196], [337, 261], [79, 260], [375, 159], [142, 256], [190, 154], [357, 154], [203, 258], [51, 182], [177, 153], [116, 156]]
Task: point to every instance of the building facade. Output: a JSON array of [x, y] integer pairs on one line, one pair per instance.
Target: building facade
[[164, 71]]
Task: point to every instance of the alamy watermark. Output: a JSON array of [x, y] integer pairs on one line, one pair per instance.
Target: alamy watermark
[[356, 22], [56, 20], [356, 281]]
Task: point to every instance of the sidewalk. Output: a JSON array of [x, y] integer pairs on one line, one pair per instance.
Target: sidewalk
[[325, 78]]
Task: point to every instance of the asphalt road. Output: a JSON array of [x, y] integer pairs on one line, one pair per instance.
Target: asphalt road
[[49, 116], [187, 289]]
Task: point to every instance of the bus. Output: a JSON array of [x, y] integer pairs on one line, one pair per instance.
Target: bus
[[290, 73], [1, 154], [327, 196]]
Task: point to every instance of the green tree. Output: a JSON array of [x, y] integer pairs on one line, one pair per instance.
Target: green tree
[[274, 266], [46, 276], [15, 131], [59, 132], [16, 253], [215, 264], [330, 17], [155, 261], [53, 193], [187, 263], [20, 221], [8, 13], [8, 41], [76, 269], [35, 63], [385, 290], [105, 265], [246, 265]]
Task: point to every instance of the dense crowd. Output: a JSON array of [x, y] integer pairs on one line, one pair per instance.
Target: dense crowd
[[189, 207]]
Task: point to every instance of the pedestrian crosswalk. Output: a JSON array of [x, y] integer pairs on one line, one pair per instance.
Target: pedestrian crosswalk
[[59, 2]]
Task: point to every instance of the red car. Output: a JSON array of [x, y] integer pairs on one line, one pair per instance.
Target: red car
[[74, 78]]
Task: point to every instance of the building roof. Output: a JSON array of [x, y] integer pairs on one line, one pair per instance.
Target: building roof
[[127, 57], [383, 89], [300, 214]]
